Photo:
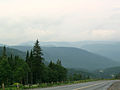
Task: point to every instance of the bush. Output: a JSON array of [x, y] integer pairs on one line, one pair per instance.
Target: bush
[[15, 84]]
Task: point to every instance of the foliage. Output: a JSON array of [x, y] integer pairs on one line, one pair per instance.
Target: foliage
[[12, 69], [5, 71], [33, 72]]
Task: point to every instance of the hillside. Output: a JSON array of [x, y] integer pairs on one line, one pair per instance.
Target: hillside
[[108, 50], [108, 73], [83, 72], [74, 57], [14, 52]]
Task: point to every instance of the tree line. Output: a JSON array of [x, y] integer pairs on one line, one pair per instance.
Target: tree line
[[33, 70]]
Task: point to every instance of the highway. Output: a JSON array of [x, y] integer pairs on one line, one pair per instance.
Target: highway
[[96, 85]]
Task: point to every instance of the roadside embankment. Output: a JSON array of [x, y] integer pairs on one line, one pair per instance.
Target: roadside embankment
[[115, 86]]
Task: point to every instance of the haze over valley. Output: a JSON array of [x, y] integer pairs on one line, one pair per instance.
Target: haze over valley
[[73, 44]]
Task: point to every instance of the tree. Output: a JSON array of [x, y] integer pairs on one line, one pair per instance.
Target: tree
[[57, 72], [77, 77], [32, 70], [27, 57], [59, 62], [12, 64], [4, 52], [62, 72], [5, 69], [21, 69], [53, 76], [37, 51], [37, 63]]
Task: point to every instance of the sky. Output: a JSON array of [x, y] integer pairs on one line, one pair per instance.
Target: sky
[[59, 20]]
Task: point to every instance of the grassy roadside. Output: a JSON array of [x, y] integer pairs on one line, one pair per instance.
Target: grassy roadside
[[45, 85]]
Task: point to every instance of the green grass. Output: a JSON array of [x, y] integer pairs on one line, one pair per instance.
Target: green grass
[[11, 88], [44, 85]]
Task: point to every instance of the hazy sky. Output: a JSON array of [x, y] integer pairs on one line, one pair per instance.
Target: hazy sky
[[59, 20]]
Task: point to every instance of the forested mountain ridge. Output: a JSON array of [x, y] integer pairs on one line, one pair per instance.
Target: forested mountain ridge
[[78, 58], [70, 57], [74, 57], [32, 70], [13, 51], [110, 50]]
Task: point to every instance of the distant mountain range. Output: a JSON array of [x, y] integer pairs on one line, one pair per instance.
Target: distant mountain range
[[77, 44], [77, 60], [108, 50], [93, 55], [74, 57]]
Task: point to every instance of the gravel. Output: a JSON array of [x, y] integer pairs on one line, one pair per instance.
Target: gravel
[[115, 86]]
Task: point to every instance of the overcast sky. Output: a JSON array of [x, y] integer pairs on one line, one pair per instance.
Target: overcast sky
[[59, 20]]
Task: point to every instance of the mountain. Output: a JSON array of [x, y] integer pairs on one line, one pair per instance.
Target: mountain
[[79, 60], [22, 48], [111, 50], [74, 57], [53, 44], [1, 45], [77, 44], [13, 52]]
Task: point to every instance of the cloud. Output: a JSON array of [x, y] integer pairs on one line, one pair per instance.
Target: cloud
[[102, 34], [58, 20]]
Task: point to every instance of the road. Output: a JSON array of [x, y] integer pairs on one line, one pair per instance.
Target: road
[[97, 85]]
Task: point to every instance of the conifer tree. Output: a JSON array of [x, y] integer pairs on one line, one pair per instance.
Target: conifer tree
[[4, 52], [37, 63], [5, 69], [27, 57], [29, 60], [59, 62]]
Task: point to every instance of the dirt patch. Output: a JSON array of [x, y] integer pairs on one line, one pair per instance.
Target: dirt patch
[[115, 86]]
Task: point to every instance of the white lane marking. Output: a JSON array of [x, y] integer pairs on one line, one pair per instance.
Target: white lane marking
[[87, 86]]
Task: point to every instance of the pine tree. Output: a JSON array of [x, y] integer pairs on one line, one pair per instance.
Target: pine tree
[[4, 52], [59, 62], [27, 57], [5, 71], [57, 72], [37, 51], [21, 70], [11, 61], [37, 63], [29, 60]]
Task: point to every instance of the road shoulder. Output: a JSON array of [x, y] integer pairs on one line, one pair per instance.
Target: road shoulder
[[115, 86]]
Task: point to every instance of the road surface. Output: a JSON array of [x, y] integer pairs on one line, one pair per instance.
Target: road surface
[[97, 85]]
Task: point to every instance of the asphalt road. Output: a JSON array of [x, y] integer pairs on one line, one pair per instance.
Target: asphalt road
[[97, 85]]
